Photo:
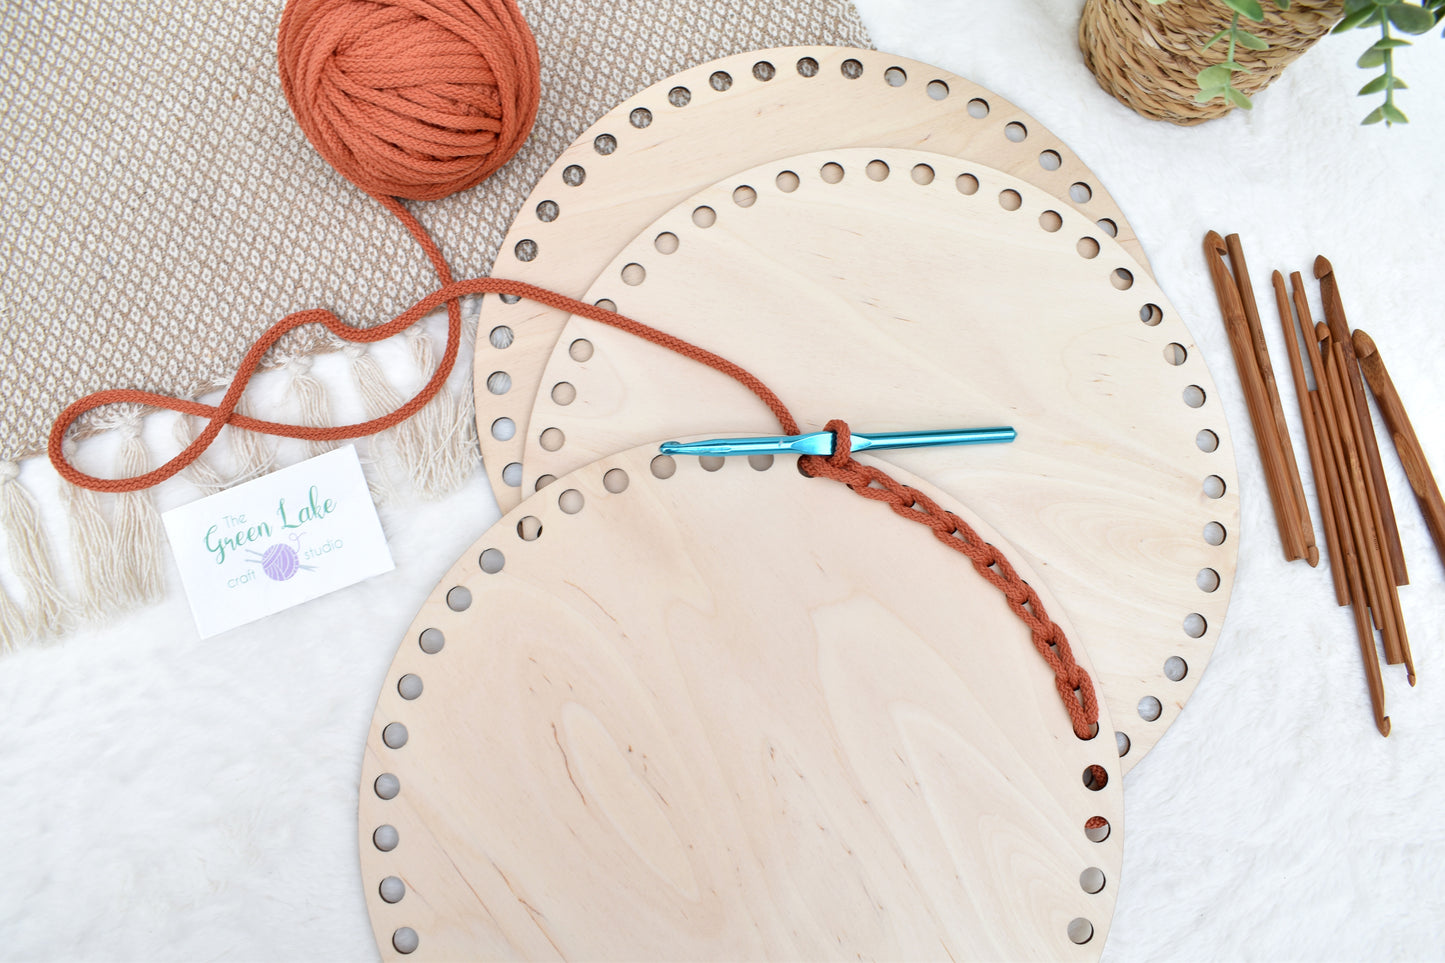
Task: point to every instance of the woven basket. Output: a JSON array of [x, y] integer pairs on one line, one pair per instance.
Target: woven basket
[[1147, 56]]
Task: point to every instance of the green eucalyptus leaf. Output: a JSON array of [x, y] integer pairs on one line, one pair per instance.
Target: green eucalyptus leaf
[[1410, 18], [1353, 19], [1158, 3], [1236, 98], [1215, 39], [1374, 116], [1389, 43], [1232, 65], [1371, 58], [1355, 6], [1282, 4], [1375, 86], [1205, 96], [1394, 114], [1251, 41], [1211, 77], [1384, 3], [1246, 8]]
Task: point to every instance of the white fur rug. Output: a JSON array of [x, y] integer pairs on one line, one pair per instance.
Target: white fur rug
[[166, 798]]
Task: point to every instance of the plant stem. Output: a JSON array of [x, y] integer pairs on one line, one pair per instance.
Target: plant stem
[[1389, 67], [1233, 33]]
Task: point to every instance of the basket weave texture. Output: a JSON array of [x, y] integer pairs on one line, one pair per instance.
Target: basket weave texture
[[1148, 55]]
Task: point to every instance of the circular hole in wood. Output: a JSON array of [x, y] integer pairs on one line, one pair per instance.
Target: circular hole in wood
[[571, 501], [529, 528], [711, 462], [405, 940], [634, 274], [978, 108], [1175, 354], [1207, 580], [394, 735], [1091, 880], [431, 640], [604, 144], [704, 216], [664, 466], [852, 69], [386, 786], [745, 196], [666, 243], [1194, 625], [512, 474], [526, 250], [500, 337], [564, 393], [1015, 132], [1095, 778], [1194, 396], [547, 211], [615, 481], [1050, 160], [1214, 533], [1122, 279], [788, 182], [720, 80], [573, 175], [922, 174], [581, 349], [1087, 247], [606, 304], [967, 184], [492, 560], [409, 686], [1051, 221], [503, 429], [1175, 668], [764, 71], [1010, 200], [1096, 830], [510, 298], [1151, 314], [831, 173], [937, 89], [392, 889], [1107, 225], [1121, 743], [542, 482], [808, 67], [459, 598], [1150, 708], [552, 439], [499, 382], [640, 117], [1081, 930], [895, 76], [1080, 193], [877, 170], [760, 462], [1214, 487], [1206, 440], [385, 838], [679, 96]]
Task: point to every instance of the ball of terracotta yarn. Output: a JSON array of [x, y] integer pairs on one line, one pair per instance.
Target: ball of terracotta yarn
[[416, 99]]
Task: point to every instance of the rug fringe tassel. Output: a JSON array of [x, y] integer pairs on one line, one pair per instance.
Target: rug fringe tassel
[[13, 630], [255, 454], [44, 611], [199, 472], [90, 540], [311, 397], [136, 556], [448, 455], [377, 398]]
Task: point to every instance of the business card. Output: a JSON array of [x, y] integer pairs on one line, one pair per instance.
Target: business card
[[277, 541]]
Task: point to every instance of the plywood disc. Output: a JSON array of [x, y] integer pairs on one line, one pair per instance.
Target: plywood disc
[[680, 135], [662, 712], [901, 290]]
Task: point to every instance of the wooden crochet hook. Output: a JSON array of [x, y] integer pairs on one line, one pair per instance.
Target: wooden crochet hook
[[1375, 472], [1407, 444]]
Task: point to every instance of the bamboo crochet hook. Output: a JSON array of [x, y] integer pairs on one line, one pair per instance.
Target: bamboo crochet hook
[[1407, 444]]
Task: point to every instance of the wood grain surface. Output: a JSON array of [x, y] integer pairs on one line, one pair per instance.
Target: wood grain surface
[[678, 136], [899, 305], [729, 714]]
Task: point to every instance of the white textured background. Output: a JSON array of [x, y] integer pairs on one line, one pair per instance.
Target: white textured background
[[164, 798]]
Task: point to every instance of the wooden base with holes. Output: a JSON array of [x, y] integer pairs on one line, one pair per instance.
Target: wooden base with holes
[[662, 712], [902, 290], [680, 135]]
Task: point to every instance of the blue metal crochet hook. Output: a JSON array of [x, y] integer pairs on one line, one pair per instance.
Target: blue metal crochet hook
[[821, 442]]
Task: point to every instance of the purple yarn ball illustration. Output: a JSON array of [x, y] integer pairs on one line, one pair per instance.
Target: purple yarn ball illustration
[[280, 562]]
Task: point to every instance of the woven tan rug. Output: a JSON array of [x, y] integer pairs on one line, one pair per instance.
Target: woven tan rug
[[159, 207]]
